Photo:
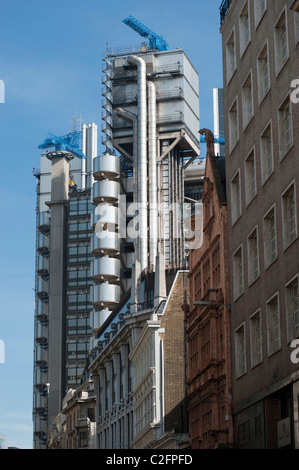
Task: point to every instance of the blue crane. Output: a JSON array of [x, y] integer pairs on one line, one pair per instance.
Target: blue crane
[[69, 142], [155, 41]]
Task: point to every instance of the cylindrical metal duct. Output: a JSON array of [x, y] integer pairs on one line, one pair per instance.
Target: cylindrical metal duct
[[152, 145], [142, 156], [132, 117], [83, 181]]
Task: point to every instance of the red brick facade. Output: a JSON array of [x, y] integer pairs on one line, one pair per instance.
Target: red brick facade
[[208, 326]]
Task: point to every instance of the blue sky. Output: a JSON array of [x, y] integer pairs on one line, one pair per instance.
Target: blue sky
[[51, 64]]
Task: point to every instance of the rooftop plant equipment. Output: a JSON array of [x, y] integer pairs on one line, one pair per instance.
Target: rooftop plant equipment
[[69, 142], [155, 41]]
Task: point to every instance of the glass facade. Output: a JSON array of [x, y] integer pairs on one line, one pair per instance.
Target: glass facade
[[78, 285]]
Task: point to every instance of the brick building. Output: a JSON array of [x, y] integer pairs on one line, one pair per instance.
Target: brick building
[[260, 41], [208, 332]]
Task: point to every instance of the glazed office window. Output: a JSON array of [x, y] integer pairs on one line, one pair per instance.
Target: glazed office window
[[266, 149], [250, 177], [240, 349], [285, 127], [260, 7], [247, 100], [263, 73], [253, 256], [231, 58], [238, 273], [256, 339], [281, 42], [244, 28], [236, 197], [270, 237], [296, 26], [289, 215], [233, 121], [273, 325], [292, 309]]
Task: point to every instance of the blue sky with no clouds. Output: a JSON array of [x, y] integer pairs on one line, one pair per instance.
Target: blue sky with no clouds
[[51, 63]]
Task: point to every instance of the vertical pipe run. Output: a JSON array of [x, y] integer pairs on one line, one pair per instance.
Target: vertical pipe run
[[142, 157], [152, 145], [83, 145]]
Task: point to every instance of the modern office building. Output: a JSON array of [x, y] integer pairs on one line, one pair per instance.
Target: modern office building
[[260, 62], [152, 120], [63, 302]]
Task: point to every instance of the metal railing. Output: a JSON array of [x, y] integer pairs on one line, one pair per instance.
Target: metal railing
[[224, 9]]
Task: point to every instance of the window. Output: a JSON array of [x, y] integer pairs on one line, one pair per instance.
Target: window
[[240, 350], [263, 73], [285, 127], [238, 277], [256, 339], [250, 177], [233, 125], [267, 162], [296, 26], [253, 256], [292, 309], [270, 238], [281, 42], [231, 61], [216, 267], [273, 325], [289, 216], [244, 28], [247, 100], [260, 6], [236, 197]]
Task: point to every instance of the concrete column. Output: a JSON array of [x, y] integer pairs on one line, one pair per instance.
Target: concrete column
[[57, 271], [109, 384]]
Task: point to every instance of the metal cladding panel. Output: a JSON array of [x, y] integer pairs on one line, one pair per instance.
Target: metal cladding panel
[[45, 164], [177, 87]]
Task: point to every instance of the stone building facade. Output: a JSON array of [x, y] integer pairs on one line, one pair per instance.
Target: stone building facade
[[260, 68], [208, 319]]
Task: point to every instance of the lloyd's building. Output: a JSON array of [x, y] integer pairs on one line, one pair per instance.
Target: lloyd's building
[[112, 254]]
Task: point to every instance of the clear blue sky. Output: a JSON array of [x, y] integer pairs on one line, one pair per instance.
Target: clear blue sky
[[51, 63]]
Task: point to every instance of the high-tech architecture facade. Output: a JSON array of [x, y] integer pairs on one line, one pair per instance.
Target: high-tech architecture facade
[[111, 252], [63, 301]]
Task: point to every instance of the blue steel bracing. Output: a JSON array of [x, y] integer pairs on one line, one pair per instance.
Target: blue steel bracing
[[69, 142], [156, 42]]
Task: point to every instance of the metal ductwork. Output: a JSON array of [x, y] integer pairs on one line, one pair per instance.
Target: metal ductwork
[[142, 156], [106, 244], [152, 149]]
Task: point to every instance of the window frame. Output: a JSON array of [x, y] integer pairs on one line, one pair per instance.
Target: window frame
[[253, 340], [267, 240]]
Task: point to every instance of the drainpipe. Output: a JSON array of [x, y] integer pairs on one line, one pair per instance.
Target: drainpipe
[[142, 157], [152, 145]]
